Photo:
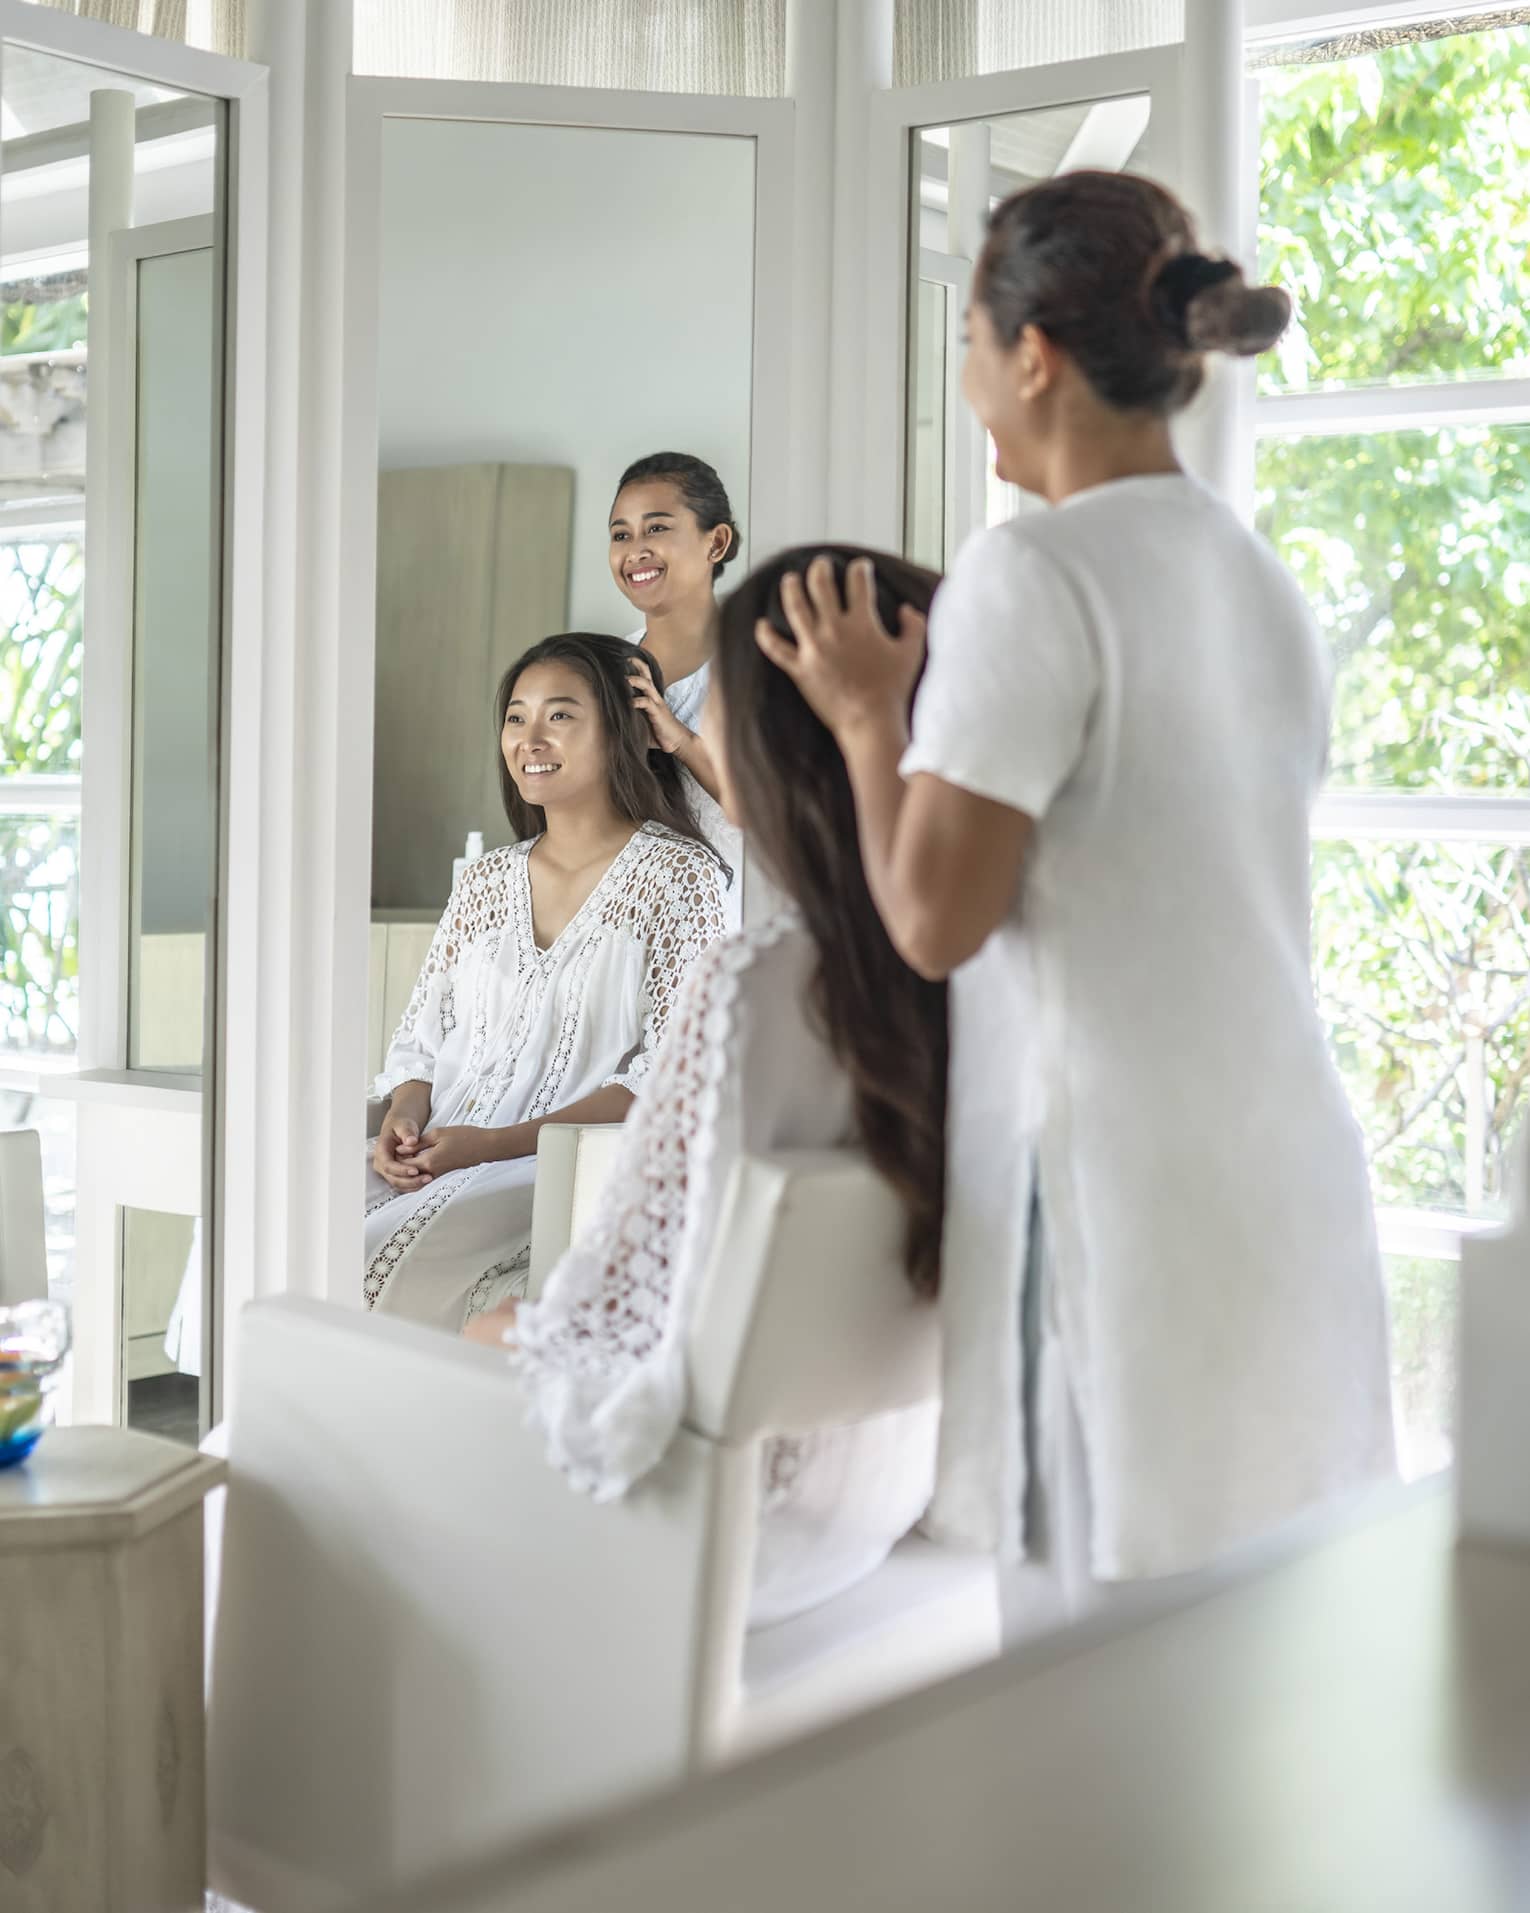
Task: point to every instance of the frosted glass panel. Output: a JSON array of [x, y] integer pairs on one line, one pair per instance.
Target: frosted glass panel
[[952, 39], [660, 46], [174, 791], [220, 26]]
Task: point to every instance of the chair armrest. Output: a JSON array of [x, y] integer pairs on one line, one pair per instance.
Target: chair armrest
[[412, 1600], [375, 1113], [573, 1161]]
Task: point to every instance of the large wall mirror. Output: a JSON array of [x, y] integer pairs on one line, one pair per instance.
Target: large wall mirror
[[556, 302], [959, 173], [110, 646]]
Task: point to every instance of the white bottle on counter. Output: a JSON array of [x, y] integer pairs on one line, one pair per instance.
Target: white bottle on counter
[[472, 851]]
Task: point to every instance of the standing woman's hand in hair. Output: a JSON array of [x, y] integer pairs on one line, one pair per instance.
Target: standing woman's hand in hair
[[669, 734], [850, 669]]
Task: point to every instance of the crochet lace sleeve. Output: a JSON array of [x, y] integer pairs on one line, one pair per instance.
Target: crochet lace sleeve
[[431, 1013], [602, 1353], [687, 915]]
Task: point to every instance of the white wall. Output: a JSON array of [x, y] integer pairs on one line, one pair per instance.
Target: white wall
[[571, 296]]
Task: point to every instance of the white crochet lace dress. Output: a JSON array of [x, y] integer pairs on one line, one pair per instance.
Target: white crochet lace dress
[[602, 1353], [504, 1032]]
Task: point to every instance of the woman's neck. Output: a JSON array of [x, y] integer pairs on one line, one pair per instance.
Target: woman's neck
[[1096, 445], [681, 639], [575, 836]]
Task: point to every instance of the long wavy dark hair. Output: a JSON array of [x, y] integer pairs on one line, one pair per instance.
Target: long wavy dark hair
[[644, 782], [886, 1025]]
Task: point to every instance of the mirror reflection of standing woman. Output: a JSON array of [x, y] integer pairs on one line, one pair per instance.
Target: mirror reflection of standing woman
[[672, 536]]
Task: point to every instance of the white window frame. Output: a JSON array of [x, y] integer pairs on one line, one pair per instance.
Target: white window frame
[[343, 839], [896, 113], [1396, 815], [225, 1151]]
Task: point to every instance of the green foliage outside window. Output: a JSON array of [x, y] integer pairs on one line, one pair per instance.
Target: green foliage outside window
[[47, 326], [41, 656], [1395, 208]]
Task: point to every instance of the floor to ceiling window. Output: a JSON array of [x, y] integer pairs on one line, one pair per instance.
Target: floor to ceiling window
[[1394, 477]]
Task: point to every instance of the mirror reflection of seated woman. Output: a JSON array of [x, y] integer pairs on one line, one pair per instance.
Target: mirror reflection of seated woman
[[547, 985], [672, 536], [805, 1032]]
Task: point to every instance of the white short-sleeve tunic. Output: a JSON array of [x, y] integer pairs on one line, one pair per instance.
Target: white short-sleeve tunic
[[1136, 672]]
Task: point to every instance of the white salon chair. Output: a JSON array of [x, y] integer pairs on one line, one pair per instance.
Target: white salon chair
[[428, 1645], [23, 1234]]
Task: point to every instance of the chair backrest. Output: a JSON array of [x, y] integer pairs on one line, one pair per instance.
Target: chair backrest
[[807, 1318], [23, 1239], [573, 1160], [426, 1641]]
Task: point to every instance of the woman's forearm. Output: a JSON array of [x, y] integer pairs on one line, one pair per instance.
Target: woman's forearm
[[873, 751], [411, 1099], [697, 759], [608, 1105]]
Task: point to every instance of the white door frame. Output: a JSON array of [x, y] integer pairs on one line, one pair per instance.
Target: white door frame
[[347, 854], [229, 1142], [895, 113]]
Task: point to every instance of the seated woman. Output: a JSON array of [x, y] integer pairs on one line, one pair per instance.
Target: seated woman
[[547, 985], [807, 1032]]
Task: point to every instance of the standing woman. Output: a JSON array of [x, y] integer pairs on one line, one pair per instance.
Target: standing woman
[[672, 536], [1099, 827]]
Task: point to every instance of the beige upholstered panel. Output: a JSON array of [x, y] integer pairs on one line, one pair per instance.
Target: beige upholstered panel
[[472, 567]]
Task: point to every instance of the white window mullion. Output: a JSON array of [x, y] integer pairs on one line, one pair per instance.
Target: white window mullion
[[1434, 1235], [1425, 816], [1395, 408]]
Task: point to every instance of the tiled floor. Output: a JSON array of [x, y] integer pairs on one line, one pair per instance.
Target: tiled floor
[[165, 1405]]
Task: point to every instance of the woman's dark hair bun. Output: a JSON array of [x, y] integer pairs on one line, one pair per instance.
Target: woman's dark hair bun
[[1107, 266], [1207, 305]]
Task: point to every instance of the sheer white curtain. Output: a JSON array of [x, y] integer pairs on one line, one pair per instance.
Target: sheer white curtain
[[662, 46], [953, 39], [218, 26]]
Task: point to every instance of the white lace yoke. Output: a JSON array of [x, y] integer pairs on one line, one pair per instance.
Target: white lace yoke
[[505, 1031]]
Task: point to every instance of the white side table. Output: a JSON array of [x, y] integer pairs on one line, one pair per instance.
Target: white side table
[[102, 1785]]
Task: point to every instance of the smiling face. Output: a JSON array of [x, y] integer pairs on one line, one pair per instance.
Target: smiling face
[[661, 557], [553, 740], [1009, 388]]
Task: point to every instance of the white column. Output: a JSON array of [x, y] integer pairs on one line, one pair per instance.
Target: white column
[[864, 62], [293, 1175], [106, 766], [969, 178], [1212, 435], [971, 164], [811, 33]]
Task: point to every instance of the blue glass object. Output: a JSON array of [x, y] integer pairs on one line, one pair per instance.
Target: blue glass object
[[34, 1340]]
